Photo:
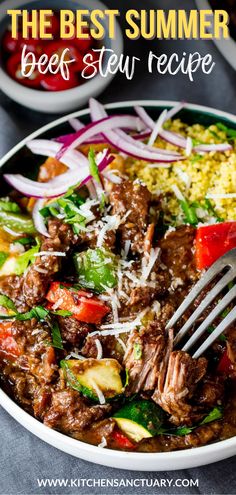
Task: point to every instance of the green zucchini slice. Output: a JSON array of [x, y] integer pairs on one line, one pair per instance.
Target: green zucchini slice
[[90, 376], [140, 419]]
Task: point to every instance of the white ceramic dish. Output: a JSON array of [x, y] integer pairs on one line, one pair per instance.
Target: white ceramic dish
[[166, 461], [226, 47], [58, 101]]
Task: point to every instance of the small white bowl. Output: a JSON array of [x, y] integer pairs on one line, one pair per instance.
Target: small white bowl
[[57, 101], [227, 47]]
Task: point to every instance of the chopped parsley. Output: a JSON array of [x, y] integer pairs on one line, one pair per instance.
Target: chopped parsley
[[68, 206], [137, 351], [213, 415], [3, 258], [230, 133]]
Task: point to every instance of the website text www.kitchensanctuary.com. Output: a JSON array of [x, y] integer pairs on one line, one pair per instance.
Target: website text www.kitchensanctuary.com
[[115, 482]]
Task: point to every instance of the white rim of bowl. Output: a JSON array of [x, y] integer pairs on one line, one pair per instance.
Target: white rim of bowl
[[117, 45], [191, 457]]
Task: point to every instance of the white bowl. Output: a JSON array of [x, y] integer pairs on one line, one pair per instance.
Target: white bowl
[[227, 47], [166, 461], [57, 101]]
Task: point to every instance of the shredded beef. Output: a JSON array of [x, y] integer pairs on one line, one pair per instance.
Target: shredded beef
[[69, 412], [144, 357], [176, 387], [135, 199]]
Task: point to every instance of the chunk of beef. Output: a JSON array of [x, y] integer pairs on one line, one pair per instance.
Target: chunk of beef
[[41, 400], [73, 331], [210, 392], [231, 346], [144, 357], [98, 432], [135, 199], [141, 297], [41, 273], [20, 385], [176, 387], [110, 346], [177, 253], [69, 412], [12, 286], [36, 365], [165, 443], [36, 356], [229, 421]]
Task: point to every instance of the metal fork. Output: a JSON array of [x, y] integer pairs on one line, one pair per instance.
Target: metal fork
[[228, 260]]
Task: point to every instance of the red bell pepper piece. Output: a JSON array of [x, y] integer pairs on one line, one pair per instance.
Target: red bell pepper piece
[[122, 441], [8, 344], [212, 241], [83, 306], [225, 365]]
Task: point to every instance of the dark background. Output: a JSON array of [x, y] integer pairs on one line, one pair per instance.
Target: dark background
[[23, 457]]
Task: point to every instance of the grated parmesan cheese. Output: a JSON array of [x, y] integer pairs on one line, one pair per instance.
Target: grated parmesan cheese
[[158, 126], [189, 146], [103, 443], [99, 393], [99, 349]]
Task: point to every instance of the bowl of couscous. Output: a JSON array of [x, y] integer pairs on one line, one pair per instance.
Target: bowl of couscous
[[139, 182]]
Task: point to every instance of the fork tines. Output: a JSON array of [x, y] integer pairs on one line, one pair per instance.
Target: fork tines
[[228, 260]]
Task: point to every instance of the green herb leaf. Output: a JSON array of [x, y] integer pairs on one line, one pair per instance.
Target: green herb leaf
[[7, 205], [3, 258], [181, 431], [230, 133], [45, 212], [209, 207], [26, 258], [56, 335], [196, 158], [215, 414], [93, 166], [61, 312], [24, 241], [189, 211], [137, 351], [7, 303]]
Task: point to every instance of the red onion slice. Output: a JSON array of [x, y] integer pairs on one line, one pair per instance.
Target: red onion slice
[[51, 189], [72, 158], [76, 124], [38, 218], [57, 186], [127, 144], [103, 125], [177, 139], [213, 147]]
